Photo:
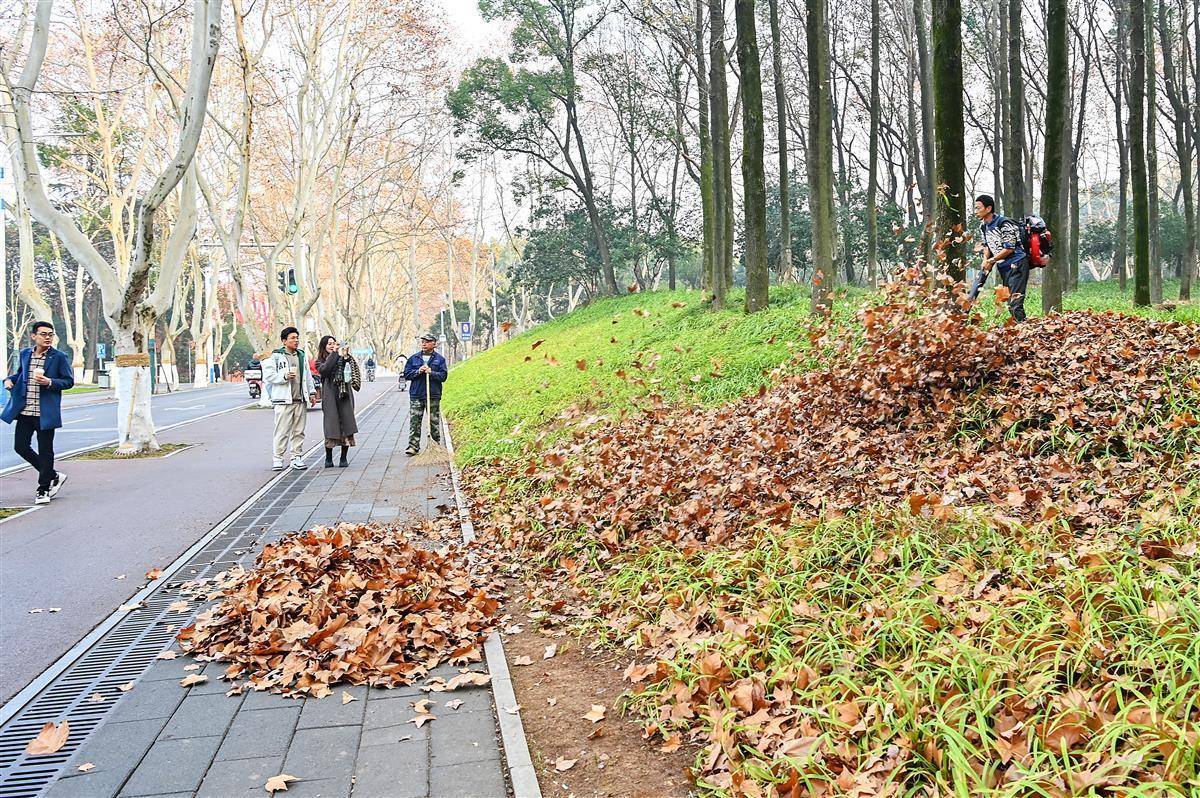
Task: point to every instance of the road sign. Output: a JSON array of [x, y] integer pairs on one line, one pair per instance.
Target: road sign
[[101, 351], [465, 328]]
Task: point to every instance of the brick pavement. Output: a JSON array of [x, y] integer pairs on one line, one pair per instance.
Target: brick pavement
[[162, 739]]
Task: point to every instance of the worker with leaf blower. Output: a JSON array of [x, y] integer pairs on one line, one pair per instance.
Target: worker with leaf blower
[[1002, 247], [425, 371]]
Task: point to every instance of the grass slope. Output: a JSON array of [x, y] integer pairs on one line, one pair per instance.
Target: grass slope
[[500, 399]]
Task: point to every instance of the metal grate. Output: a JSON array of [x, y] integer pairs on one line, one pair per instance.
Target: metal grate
[[128, 650]]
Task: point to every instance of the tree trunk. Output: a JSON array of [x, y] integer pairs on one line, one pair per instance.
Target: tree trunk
[[820, 154], [1137, 154], [1054, 167], [1156, 287], [707, 201], [928, 147], [950, 163], [781, 117], [754, 179], [1014, 153], [1121, 253], [1176, 86], [873, 154], [722, 174]]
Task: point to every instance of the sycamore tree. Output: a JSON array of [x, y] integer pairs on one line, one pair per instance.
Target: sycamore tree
[[131, 304]]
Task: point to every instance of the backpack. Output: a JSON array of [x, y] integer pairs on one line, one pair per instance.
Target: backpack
[[1036, 241]]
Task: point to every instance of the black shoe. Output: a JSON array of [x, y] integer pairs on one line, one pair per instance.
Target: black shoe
[[411, 452], [342, 463], [57, 484], [329, 462]]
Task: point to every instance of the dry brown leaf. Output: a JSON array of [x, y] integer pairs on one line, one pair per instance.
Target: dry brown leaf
[[455, 704], [595, 714], [522, 660], [50, 739], [154, 573], [95, 698], [179, 606], [125, 688], [167, 655], [86, 767], [279, 783], [421, 720], [562, 765], [347, 698], [470, 679], [550, 651], [192, 679]]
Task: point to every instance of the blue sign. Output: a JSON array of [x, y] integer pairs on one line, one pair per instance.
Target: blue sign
[[101, 351], [465, 328]]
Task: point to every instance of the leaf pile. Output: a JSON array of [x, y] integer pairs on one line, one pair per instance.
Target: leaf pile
[[355, 604], [1075, 416]]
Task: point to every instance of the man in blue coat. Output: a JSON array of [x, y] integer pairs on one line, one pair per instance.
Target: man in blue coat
[[424, 368], [34, 402]]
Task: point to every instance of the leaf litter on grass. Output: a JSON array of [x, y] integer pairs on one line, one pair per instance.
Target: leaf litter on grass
[[350, 604], [954, 559]]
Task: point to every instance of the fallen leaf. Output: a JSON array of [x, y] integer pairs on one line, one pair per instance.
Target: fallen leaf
[[421, 720], [154, 573], [279, 783], [522, 660], [51, 738], [193, 678], [595, 714], [513, 710], [85, 767], [125, 688], [471, 678], [179, 606], [552, 701], [562, 765], [455, 704], [550, 651], [127, 607], [167, 655], [95, 698], [347, 698]]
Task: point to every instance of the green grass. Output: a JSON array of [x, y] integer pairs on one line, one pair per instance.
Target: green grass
[[110, 453], [83, 387], [504, 398], [1108, 296], [9, 512]]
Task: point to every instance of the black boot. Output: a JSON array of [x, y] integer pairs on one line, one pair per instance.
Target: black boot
[[342, 462], [328, 457]]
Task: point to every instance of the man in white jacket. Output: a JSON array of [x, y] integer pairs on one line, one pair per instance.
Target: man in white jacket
[[288, 382]]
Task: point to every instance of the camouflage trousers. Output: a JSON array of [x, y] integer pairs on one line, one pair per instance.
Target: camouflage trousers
[[416, 421]]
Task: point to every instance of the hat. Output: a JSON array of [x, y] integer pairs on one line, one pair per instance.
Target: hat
[[428, 337]]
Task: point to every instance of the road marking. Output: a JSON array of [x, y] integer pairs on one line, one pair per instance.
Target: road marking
[[77, 421], [189, 407]]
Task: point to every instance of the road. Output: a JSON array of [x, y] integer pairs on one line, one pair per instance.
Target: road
[[87, 424], [67, 565]]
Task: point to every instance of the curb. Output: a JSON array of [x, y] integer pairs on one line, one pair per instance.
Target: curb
[[521, 772]]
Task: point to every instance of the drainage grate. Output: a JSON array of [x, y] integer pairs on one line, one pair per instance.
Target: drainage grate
[[128, 650]]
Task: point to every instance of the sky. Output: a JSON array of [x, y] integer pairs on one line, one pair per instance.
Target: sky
[[466, 25]]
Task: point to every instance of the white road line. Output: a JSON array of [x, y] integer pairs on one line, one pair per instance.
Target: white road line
[[77, 421]]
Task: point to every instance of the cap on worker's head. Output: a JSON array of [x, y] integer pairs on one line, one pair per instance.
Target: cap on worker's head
[[429, 337]]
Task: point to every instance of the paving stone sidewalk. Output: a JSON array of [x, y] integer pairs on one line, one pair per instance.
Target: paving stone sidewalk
[[162, 739]]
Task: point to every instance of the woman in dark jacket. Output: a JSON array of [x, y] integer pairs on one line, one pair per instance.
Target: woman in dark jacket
[[340, 378]]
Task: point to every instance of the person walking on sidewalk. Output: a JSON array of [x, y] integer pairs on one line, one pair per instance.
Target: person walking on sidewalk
[[35, 402], [289, 382], [340, 378], [425, 368], [1002, 247]]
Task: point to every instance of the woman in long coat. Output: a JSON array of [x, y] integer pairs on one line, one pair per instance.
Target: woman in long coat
[[340, 378]]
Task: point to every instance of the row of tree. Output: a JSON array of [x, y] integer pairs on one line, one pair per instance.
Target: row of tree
[[657, 141]]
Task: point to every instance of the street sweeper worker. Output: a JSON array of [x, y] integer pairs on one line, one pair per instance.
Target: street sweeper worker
[[425, 371]]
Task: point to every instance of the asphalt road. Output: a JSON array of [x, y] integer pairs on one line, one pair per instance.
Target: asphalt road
[[88, 424], [86, 552]]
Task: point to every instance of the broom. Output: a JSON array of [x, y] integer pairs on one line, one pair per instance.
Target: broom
[[434, 454]]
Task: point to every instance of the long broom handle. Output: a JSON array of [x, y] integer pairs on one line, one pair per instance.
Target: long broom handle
[[428, 406]]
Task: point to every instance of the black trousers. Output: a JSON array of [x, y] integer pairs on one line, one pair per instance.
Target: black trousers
[[43, 459], [1016, 281]]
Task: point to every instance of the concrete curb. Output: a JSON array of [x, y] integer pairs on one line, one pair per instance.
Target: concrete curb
[[521, 772]]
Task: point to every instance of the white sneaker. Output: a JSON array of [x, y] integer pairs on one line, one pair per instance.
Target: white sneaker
[[299, 466], [277, 465], [57, 484], [43, 497]]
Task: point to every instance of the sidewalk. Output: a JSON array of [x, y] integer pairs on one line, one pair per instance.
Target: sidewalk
[[161, 739]]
